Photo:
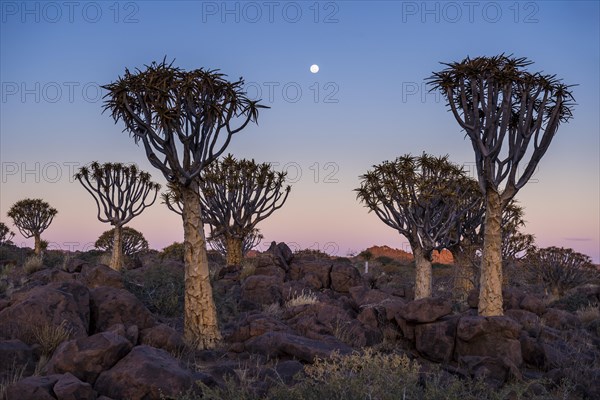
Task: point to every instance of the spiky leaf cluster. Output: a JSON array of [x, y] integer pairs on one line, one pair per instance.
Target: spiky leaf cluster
[[180, 115], [133, 241], [32, 216], [503, 109], [250, 241], [420, 196], [120, 191], [6, 234], [560, 268]]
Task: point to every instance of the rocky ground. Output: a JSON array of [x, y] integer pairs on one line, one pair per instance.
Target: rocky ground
[[79, 330]]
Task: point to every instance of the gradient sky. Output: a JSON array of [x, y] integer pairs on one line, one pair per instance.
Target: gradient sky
[[368, 103]]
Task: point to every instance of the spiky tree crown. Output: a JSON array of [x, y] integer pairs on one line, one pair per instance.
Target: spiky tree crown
[[32, 216], [162, 105], [133, 241], [120, 191]]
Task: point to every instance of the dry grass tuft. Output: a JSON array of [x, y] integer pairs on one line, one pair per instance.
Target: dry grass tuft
[[49, 336], [33, 264], [589, 313], [306, 297]]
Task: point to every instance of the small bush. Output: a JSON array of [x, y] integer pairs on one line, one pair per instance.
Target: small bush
[[274, 310], [49, 336], [384, 260], [161, 289], [33, 264], [589, 313], [248, 268], [174, 251], [306, 297]]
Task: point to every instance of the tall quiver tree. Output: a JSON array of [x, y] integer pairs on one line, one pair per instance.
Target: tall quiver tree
[[420, 197], [185, 120], [32, 217], [121, 192], [503, 109]]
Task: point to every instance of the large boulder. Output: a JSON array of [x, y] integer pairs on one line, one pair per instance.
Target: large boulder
[[343, 277], [254, 325], [489, 336], [33, 388], [110, 306], [282, 254], [282, 344], [262, 289], [163, 337], [435, 340], [145, 373], [560, 319], [68, 387], [313, 272], [86, 358], [100, 275], [57, 304], [425, 310]]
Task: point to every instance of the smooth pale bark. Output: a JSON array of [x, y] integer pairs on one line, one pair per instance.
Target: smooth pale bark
[[490, 282], [116, 259], [234, 250], [38, 245], [464, 274], [200, 320], [423, 280]]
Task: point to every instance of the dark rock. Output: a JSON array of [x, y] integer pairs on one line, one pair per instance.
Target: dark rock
[[145, 373], [512, 298], [489, 336], [286, 371], [33, 388], [68, 387], [87, 357], [435, 340], [255, 325], [130, 333], [14, 356], [262, 289], [74, 265], [528, 320], [101, 275], [282, 255], [313, 272], [425, 310], [369, 317], [343, 277], [533, 304], [110, 306], [280, 344], [163, 337], [495, 371], [56, 304], [532, 351], [560, 319], [48, 275]]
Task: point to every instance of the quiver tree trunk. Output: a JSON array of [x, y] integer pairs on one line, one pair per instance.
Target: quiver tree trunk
[[234, 250], [423, 280], [490, 283], [464, 273], [200, 318], [38, 245], [116, 259]]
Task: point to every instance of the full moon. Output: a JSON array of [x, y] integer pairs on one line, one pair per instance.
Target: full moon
[[314, 68]]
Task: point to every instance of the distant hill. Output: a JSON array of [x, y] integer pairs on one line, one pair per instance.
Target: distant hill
[[445, 257]]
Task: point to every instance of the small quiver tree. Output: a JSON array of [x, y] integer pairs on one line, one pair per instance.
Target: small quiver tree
[[132, 241], [32, 217], [560, 269], [121, 193], [6, 234], [250, 241], [511, 116], [422, 198]]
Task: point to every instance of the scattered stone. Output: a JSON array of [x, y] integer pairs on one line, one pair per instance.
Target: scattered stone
[[68, 387], [163, 337], [343, 277], [110, 306], [425, 310]]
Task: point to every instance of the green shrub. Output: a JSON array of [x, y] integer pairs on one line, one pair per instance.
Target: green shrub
[[384, 260], [173, 251]]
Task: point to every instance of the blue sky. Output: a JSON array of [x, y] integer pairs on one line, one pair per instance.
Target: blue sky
[[368, 103]]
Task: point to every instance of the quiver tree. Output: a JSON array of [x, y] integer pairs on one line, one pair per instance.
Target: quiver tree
[[511, 117], [6, 234], [132, 241], [32, 217], [121, 192], [560, 269], [185, 120], [421, 197], [250, 241]]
